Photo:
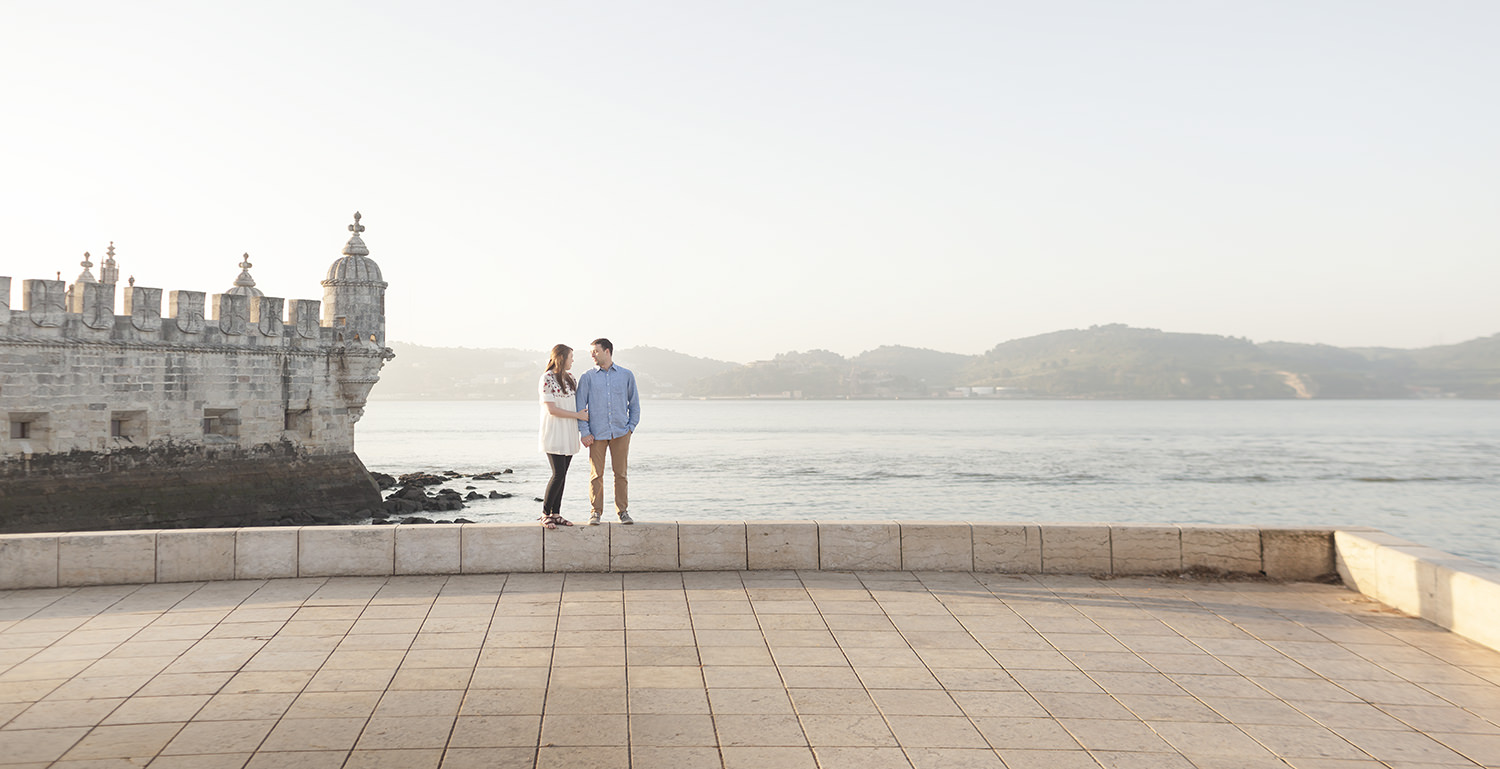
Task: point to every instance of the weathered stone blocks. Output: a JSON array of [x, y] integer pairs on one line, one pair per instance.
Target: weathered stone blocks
[[195, 555], [346, 551], [28, 560], [106, 558], [859, 546], [266, 553], [1010, 548], [1450, 591], [1081, 548], [643, 547], [1143, 549], [781, 545], [1468, 593], [711, 546], [937, 547], [1223, 548], [576, 548], [1296, 554], [493, 548], [428, 549]]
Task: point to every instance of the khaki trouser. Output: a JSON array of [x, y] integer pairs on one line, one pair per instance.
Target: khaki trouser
[[619, 452]]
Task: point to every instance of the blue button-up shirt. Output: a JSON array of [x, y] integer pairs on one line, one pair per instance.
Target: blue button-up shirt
[[613, 403]]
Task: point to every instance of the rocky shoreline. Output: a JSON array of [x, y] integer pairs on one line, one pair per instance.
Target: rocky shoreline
[[408, 496]]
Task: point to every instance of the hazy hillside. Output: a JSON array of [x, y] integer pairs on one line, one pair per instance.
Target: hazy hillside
[[460, 373], [658, 371], [1469, 369], [1113, 361], [1117, 361], [885, 372]]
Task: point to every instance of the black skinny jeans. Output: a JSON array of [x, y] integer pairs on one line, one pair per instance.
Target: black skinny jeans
[[552, 505]]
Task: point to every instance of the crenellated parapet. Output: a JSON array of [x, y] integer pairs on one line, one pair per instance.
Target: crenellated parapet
[[349, 319], [52, 311]]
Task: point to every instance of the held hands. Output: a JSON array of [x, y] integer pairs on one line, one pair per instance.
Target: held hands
[[588, 440]]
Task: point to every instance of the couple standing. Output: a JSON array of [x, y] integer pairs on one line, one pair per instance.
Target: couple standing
[[608, 409]]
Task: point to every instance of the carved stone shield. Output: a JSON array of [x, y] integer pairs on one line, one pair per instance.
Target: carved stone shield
[[232, 311], [266, 315], [99, 306], [46, 302], [143, 305], [187, 309], [305, 315]]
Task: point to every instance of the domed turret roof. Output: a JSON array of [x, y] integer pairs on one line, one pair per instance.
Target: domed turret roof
[[87, 276], [244, 285], [356, 266]]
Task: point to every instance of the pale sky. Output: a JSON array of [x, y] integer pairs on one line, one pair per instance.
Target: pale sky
[[738, 179]]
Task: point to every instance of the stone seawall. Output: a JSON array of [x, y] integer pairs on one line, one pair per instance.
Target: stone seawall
[[182, 485], [1452, 592]]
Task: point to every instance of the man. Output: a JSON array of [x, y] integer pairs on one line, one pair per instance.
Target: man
[[608, 393]]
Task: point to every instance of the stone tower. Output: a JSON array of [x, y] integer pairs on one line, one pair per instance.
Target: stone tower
[[156, 420], [354, 294]]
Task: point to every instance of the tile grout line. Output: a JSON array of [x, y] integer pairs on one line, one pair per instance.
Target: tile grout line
[[986, 650]]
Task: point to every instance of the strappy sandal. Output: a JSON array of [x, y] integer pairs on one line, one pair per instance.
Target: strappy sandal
[[554, 521]]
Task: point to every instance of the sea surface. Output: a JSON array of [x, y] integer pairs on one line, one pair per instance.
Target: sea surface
[[1427, 471]]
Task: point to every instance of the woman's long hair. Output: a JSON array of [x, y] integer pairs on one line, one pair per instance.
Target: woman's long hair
[[558, 365]]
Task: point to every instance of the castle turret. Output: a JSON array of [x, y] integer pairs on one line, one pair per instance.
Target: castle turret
[[244, 285], [109, 272], [354, 294], [87, 276]]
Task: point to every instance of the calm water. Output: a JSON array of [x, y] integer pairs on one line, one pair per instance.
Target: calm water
[[1428, 471]]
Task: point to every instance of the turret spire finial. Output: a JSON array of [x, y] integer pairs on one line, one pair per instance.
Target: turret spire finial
[[109, 272], [356, 245], [86, 276], [244, 279]]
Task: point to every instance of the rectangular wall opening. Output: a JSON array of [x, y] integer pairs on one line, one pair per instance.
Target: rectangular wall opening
[[299, 423], [27, 431], [221, 425], [128, 426]]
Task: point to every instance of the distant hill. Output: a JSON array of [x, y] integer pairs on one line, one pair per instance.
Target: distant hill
[[1118, 361], [1113, 361], [660, 372], [461, 373], [885, 372]]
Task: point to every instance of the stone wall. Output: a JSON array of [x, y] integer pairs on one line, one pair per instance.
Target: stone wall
[[71, 394], [322, 551]]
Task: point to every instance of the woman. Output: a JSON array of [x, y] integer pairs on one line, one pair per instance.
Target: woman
[[559, 437]]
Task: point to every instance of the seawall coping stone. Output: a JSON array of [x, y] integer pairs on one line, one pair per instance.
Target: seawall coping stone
[[711, 546], [1448, 590]]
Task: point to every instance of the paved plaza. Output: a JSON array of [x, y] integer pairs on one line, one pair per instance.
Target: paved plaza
[[781, 670]]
